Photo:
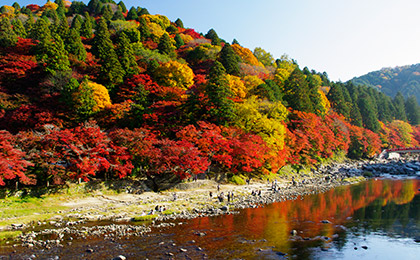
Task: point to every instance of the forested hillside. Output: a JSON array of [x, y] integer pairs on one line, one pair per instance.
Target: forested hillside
[[390, 81], [108, 91]]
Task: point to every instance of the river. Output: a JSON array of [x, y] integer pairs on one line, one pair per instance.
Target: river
[[375, 219]]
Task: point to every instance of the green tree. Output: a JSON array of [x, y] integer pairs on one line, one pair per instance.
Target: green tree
[[107, 12], [7, 36], [412, 109], [111, 70], [212, 35], [229, 59], [86, 30], [56, 56], [40, 31], [337, 100], [62, 29], [118, 15], [296, 92], [179, 23], [29, 23], [77, 7], [77, 23], [144, 29], [264, 57], [218, 93], [356, 116], [165, 46], [126, 55], [132, 14], [122, 6], [399, 105], [84, 101], [369, 115], [18, 28], [235, 42], [75, 46], [178, 41]]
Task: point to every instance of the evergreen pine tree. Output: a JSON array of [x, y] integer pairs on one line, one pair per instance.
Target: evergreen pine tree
[[86, 29], [296, 92], [412, 109], [122, 6], [212, 35], [118, 15], [111, 70], [7, 36], [235, 42], [355, 116], [75, 46], [126, 55], [56, 58], [107, 12], [369, 115], [144, 29], [218, 93], [77, 23], [229, 59], [62, 29], [40, 31], [179, 23], [165, 46], [132, 14], [399, 105], [18, 28], [30, 22], [337, 100], [178, 41]]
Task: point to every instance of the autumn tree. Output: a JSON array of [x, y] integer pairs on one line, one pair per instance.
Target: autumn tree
[[174, 74], [13, 164], [264, 57]]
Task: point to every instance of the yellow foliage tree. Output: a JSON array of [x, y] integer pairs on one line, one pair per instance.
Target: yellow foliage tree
[[49, 5], [285, 67], [246, 55], [251, 82], [325, 103], [236, 86], [265, 119], [8, 11], [186, 38], [157, 24], [100, 95], [175, 74]]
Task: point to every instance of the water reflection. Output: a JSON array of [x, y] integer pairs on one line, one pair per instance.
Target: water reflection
[[387, 208]]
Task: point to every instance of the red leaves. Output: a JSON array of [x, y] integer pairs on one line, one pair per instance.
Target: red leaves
[[12, 161]]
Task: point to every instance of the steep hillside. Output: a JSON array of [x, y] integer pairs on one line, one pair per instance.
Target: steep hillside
[[405, 79]]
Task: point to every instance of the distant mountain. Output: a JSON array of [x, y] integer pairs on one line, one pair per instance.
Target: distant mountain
[[405, 79]]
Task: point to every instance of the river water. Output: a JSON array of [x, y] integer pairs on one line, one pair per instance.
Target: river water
[[376, 219]]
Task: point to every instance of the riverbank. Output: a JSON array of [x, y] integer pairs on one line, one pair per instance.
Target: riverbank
[[83, 211]]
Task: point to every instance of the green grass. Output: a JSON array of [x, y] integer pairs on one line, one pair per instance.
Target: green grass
[[238, 179], [8, 235], [144, 218]]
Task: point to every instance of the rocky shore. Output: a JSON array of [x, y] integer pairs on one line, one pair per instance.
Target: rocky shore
[[124, 215]]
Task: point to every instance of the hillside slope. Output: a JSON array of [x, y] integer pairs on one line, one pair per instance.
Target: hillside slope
[[405, 79]]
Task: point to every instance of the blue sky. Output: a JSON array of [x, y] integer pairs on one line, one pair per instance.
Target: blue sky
[[343, 38]]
